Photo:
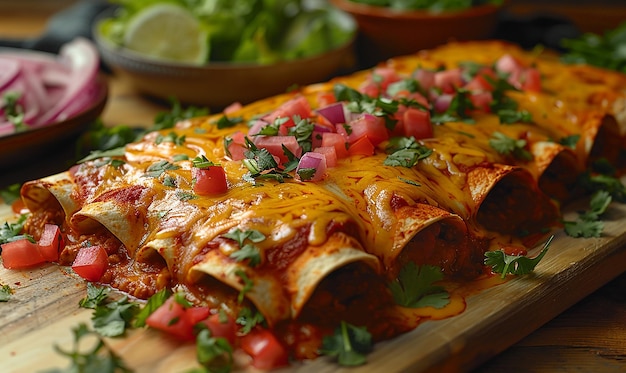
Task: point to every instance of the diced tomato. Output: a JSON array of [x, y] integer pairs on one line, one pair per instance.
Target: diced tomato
[[479, 83], [91, 262], [481, 100], [378, 81], [325, 98], [417, 123], [235, 106], [508, 64], [209, 181], [362, 146], [265, 349], [370, 126], [274, 145], [197, 314], [425, 77], [21, 254], [236, 146], [329, 153], [226, 328], [337, 141], [18, 206], [298, 106], [448, 80], [171, 318], [50, 242], [531, 80]]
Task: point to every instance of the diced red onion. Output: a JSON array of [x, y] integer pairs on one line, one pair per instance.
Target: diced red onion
[[334, 113], [313, 160]]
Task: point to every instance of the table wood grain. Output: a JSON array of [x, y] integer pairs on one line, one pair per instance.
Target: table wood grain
[[588, 337]]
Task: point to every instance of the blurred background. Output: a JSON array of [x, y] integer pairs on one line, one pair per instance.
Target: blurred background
[[585, 15]]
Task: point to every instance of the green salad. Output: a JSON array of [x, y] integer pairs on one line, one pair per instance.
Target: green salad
[[251, 31], [430, 5]]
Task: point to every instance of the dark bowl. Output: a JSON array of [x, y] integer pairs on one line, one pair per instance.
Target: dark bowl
[[219, 84], [387, 33]]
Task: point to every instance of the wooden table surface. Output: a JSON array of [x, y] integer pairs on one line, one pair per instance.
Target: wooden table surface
[[588, 337]]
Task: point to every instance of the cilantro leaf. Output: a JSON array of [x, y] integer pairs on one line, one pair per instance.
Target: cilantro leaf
[[508, 116], [240, 236], [154, 302], [226, 122], [248, 252], [570, 141], [588, 224], [100, 358], [10, 231], [157, 169], [112, 318], [213, 353], [165, 120], [5, 293], [406, 152], [415, 287], [247, 285], [202, 162], [502, 263], [248, 319], [583, 228], [350, 344], [170, 137], [11, 193], [96, 295], [506, 145]]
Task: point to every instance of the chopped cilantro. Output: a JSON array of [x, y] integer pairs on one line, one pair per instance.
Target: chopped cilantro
[[350, 344], [240, 236], [157, 169], [11, 193], [415, 287], [226, 122], [411, 182], [213, 353], [170, 137], [96, 154], [11, 231], [202, 162], [458, 111], [588, 224], [5, 293], [508, 116], [247, 285], [110, 317], [306, 173], [570, 141], [99, 358], [406, 152], [506, 145], [154, 302], [165, 120], [502, 263], [248, 252], [248, 319], [185, 196]]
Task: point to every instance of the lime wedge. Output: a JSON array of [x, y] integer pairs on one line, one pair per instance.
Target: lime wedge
[[167, 32]]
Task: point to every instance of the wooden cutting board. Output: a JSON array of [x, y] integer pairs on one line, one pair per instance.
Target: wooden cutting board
[[44, 308]]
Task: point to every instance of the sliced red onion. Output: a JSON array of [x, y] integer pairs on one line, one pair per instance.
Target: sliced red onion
[[9, 70], [82, 58]]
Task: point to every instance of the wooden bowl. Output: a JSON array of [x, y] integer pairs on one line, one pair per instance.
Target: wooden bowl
[[386, 33], [219, 84]]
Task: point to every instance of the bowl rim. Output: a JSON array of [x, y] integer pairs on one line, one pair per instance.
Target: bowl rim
[[373, 11], [157, 64]]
